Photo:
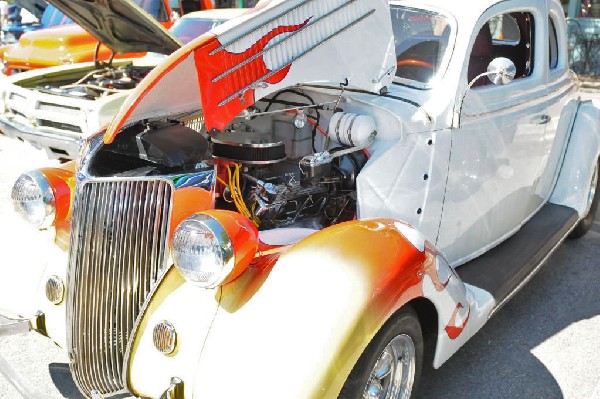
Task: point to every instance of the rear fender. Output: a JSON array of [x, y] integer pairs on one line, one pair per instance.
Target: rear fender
[[303, 322], [573, 185]]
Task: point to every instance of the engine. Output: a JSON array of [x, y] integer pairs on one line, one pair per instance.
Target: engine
[[99, 83], [266, 164]]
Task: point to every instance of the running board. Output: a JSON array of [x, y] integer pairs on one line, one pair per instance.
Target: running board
[[505, 269]]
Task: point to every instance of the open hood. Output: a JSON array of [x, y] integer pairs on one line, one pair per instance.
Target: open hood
[[279, 44], [36, 7], [121, 25]]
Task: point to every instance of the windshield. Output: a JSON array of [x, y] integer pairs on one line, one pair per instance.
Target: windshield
[[421, 39], [187, 29]]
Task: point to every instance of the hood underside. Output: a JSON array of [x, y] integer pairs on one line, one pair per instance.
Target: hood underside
[[283, 44], [120, 24]]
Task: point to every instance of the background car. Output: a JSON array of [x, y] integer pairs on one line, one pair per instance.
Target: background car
[[73, 101], [47, 15], [72, 44]]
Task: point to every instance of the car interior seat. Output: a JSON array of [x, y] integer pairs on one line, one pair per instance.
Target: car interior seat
[[481, 56]]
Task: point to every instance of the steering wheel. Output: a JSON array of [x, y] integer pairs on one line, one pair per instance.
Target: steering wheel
[[414, 69], [414, 62]]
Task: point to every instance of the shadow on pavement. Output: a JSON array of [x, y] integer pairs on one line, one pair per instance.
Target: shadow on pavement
[[499, 361], [63, 380]]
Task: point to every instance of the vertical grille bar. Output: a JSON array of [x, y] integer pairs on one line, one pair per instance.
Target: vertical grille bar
[[119, 233]]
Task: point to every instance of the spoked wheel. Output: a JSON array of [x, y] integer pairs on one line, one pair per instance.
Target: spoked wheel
[[586, 223], [390, 367]]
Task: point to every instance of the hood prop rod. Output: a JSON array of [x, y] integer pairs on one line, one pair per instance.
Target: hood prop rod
[[100, 64]]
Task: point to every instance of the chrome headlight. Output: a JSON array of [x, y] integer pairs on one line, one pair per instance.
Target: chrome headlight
[[203, 251], [33, 199]]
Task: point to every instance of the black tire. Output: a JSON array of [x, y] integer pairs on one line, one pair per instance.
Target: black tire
[[405, 322], [586, 223]]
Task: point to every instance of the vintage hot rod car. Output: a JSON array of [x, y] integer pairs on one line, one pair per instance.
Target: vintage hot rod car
[[308, 201], [55, 108]]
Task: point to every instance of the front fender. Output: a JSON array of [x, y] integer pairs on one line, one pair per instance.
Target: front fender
[[294, 323], [304, 322], [573, 185]]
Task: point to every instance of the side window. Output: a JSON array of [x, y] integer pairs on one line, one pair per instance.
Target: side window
[[506, 35], [553, 44]]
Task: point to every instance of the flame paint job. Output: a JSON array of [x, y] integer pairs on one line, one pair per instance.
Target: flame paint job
[[216, 61]]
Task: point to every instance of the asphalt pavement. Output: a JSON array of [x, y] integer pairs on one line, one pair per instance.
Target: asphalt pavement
[[545, 343]]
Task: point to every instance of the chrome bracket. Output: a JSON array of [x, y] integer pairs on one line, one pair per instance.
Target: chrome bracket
[[10, 326], [175, 390]]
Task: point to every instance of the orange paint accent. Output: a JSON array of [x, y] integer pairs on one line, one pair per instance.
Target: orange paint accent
[[62, 181], [244, 237], [206, 4], [240, 291], [188, 201], [210, 66]]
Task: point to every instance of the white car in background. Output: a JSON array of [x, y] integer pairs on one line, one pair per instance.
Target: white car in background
[[55, 108]]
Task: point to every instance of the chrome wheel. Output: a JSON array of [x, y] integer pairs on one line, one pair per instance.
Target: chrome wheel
[[393, 375], [591, 207]]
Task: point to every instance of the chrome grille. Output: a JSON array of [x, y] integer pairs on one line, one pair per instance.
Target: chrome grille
[[119, 233]]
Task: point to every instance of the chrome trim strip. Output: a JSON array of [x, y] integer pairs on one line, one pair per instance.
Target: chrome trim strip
[[245, 34]]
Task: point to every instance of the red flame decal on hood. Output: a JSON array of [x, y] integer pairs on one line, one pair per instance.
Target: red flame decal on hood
[[212, 64]]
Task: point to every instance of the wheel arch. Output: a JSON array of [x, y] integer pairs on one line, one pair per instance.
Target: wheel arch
[[429, 321], [581, 156]]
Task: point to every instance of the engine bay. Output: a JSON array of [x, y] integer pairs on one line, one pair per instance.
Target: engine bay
[[276, 165], [98, 83]]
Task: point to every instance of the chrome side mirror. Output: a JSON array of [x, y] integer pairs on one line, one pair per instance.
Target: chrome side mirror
[[501, 71]]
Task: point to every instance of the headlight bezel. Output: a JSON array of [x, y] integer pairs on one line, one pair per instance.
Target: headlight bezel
[[46, 198], [203, 223]]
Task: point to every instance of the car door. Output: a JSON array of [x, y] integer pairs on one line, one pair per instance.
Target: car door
[[496, 149], [562, 103]]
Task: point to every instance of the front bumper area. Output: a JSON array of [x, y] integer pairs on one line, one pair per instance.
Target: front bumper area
[[12, 326], [58, 145]]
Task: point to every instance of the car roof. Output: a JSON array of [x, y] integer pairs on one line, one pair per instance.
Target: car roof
[[217, 13], [460, 9]]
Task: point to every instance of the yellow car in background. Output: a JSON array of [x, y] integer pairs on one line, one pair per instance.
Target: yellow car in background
[[71, 44]]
